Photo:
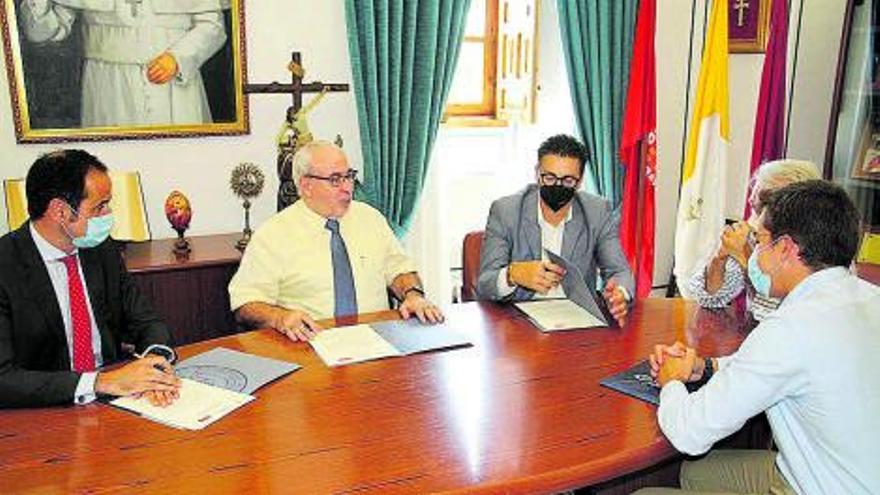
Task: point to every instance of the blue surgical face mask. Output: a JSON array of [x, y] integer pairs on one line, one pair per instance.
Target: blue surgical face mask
[[760, 280], [97, 231]]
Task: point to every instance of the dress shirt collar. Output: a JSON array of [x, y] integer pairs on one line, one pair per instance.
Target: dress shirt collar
[[312, 218], [544, 224], [813, 281], [47, 251]]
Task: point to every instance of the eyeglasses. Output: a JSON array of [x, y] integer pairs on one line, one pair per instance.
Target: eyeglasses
[[549, 179], [336, 180]]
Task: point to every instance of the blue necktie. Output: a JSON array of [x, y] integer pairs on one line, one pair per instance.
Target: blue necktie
[[343, 282]]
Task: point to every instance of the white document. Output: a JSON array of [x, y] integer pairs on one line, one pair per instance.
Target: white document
[[352, 344], [551, 315], [198, 406]]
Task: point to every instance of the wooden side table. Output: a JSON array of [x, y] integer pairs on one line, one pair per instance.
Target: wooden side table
[[189, 293]]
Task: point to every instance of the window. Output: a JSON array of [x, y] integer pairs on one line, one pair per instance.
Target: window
[[495, 75], [473, 86]]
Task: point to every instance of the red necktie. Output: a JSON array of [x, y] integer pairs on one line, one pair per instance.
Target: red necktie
[[83, 354]]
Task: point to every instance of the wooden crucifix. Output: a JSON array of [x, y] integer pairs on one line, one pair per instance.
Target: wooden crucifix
[[294, 132]]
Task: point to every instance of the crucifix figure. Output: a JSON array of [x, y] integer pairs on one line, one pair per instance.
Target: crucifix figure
[[294, 131], [134, 6], [740, 6]]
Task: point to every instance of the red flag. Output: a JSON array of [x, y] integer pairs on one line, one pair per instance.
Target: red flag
[[769, 137], [638, 153]]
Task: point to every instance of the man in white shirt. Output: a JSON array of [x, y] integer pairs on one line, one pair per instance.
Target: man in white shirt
[[324, 256], [555, 216], [810, 365]]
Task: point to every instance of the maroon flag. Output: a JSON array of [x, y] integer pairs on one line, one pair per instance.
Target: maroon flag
[[638, 153], [769, 137]]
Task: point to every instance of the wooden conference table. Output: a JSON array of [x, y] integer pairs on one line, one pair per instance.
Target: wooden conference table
[[519, 412]]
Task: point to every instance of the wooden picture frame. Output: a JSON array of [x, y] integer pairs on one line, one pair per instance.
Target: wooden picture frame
[[748, 23], [867, 165], [75, 83]]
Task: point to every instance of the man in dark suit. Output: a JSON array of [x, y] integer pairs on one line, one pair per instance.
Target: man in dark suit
[[555, 216], [67, 303]]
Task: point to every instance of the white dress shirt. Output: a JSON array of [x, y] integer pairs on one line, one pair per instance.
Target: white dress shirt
[[52, 256], [551, 240], [812, 366]]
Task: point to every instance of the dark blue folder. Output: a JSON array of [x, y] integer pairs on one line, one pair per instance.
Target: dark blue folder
[[636, 382]]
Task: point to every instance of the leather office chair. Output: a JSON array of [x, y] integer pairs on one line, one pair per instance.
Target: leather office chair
[[470, 264], [129, 214]]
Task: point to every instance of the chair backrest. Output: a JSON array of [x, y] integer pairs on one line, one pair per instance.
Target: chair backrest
[[470, 264], [130, 222]]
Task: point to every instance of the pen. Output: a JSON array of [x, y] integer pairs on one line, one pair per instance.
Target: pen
[[160, 350], [156, 366]]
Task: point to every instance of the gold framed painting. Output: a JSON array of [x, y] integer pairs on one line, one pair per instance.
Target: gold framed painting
[[747, 24], [88, 70]]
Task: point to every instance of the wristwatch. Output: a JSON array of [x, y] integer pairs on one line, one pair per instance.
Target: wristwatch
[[708, 370], [414, 288]]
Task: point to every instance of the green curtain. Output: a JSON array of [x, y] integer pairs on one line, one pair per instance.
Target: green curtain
[[403, 55], [597, 37]]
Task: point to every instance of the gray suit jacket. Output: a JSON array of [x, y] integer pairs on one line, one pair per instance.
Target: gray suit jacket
[[590, 241]]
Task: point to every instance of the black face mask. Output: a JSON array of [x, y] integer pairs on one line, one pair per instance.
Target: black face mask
[[556, 196]]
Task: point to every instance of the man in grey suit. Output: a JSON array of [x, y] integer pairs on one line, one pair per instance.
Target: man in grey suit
[[555, 216]]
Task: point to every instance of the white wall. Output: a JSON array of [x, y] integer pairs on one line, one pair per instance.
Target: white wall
[[200, 167]]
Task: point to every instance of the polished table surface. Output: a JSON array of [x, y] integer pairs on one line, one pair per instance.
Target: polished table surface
[[519, 412]]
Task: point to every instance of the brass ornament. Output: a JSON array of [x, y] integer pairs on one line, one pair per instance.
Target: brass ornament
[[246, 182]]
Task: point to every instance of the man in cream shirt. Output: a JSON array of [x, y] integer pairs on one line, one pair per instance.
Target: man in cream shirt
[[324, 256]]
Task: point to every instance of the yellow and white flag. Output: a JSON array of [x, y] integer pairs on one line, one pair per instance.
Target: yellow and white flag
[[701, 206]]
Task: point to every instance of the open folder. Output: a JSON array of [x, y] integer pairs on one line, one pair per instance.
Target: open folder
[[213, 384], [553, 315], [198, 406], [233, 370], [577, 310], [358, 343]]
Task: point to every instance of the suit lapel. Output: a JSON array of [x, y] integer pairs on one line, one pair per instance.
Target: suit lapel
[[529, 221], [39, 286], [574, 231]]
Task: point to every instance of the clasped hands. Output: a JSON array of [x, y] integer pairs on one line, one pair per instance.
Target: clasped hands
[[544, 276], [675, 362]]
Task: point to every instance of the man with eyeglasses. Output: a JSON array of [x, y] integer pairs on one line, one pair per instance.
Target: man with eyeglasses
[[324, 256], [68, 306], [553, 215], [810, 365]]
